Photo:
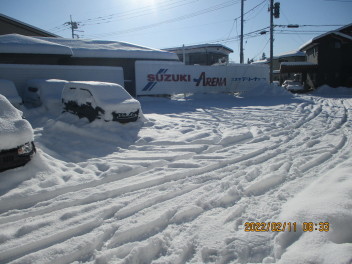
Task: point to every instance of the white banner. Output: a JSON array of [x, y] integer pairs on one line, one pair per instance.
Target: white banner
[[160, 77]]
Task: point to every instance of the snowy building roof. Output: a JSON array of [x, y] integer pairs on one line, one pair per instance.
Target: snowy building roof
[[84, 48], [341, 32], [293, 53], [14, 43], [201, 47]]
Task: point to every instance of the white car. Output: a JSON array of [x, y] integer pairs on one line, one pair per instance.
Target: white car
[[293, 86], [100, 100], [16, 144]]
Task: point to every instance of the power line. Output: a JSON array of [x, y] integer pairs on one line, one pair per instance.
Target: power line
[[138, 12], [173, 20]]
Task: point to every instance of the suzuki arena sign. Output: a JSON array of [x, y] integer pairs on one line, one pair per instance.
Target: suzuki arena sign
[[157, 77]]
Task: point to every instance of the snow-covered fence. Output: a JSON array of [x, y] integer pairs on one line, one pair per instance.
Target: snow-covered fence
[[21, 73], [155, 78]]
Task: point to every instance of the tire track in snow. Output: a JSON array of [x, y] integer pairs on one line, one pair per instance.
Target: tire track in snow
[[220, 175]]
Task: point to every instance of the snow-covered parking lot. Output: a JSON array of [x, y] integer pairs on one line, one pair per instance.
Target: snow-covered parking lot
[[185, 184]]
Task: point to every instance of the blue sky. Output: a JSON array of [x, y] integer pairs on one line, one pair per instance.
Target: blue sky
[[172, 23]]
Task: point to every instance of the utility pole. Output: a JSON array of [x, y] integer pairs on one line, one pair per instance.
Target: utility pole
[[274, 12], [241, 42], [73, 25], [271, 39]]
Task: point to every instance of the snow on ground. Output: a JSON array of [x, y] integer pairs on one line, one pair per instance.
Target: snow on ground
[[182, 186]]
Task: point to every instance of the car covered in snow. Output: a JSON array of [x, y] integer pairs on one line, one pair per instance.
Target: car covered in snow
[[16, 134], [100, 100], [8, 89], [46, 92], [293, 86]]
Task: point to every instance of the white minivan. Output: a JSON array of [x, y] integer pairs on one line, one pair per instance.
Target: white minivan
[[100, 100]]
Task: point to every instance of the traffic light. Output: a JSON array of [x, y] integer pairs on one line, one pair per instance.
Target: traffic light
[[277, 10]]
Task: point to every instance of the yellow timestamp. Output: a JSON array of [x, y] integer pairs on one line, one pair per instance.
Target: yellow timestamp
[[312, 226], [286, 226]]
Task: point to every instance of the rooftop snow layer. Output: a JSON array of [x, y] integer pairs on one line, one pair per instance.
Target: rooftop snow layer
[[292, 53], [337, 32], [84, 48], [15, 43]]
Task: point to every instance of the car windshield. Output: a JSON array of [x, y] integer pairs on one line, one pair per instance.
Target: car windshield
[[111, 93]]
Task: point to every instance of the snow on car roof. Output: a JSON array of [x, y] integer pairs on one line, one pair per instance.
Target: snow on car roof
[[103, 90], [14, 131], [15, 43]]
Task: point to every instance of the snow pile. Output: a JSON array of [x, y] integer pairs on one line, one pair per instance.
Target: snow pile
[[49, 92], [8, 89], [14, 131], [326, 200], [15, 43], [328, 91], [266, 90]]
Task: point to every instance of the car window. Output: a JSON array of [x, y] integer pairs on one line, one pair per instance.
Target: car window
[[85, 96], [33, 89]]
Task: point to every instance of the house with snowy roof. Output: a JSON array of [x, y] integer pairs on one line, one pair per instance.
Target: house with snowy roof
[[330, 58]]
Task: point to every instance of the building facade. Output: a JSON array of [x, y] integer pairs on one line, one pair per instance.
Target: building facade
[[332, 53], [205, 54]]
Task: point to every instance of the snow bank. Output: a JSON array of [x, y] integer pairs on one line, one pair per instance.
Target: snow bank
[[328, 91], [266, 90], [326, 200], [14, 131]]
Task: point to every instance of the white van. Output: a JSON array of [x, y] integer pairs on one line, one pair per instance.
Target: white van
[[100, 100]]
